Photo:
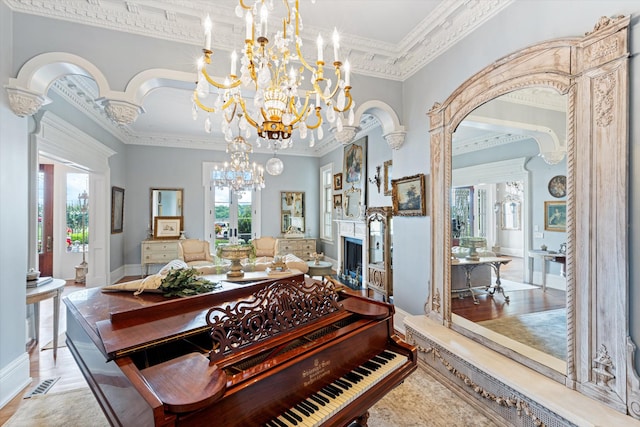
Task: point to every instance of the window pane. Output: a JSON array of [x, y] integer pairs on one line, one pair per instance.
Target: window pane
[[77, 239]]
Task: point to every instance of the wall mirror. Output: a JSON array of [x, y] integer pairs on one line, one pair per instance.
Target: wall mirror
[[292, 211], [165, 202], [352, 205], [590, 75], [510, 214]]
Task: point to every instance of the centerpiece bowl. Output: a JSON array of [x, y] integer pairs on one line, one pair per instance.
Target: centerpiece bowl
[[235, 254]]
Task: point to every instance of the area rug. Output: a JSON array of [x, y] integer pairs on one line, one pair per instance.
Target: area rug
[[419, 401], [545, 331], [71, 408], [510, 286]]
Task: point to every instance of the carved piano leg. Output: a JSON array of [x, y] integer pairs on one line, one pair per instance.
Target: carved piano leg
[[363, 420]]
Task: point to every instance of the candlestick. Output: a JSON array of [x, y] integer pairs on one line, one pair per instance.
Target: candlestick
[[234, 60], [320, 43], [336, 44], [208, 25], [347, 73], [249, 29]]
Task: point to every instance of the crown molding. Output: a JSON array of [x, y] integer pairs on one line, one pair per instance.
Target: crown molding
[[180, 21]]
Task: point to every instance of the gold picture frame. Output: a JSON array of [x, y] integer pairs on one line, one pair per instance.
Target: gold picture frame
[[408, 195], [167, 227], [388, 166], [337, 181], [555, 216]]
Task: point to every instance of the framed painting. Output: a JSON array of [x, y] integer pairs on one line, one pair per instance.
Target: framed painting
[[167, 227], [337, 201], [388, 166], [354, 170], [337, 181], [555, 216], [408, 195], [117, 210]]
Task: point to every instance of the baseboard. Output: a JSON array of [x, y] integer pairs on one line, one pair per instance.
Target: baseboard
[[14, 378]]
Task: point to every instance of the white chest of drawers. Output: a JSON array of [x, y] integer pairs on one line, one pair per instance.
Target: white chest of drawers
[[302, 248], [157, 252]]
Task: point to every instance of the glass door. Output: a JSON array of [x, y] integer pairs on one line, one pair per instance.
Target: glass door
[[233, 215]]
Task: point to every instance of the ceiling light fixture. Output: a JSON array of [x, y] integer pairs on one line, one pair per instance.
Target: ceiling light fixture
[[274, 166], [281, 106], [239, 173]]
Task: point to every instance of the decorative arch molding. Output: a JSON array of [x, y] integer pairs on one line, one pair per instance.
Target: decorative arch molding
[[27, 92], [392, 131]]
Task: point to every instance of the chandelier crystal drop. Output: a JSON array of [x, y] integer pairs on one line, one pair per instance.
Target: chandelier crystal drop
[[282, 106]]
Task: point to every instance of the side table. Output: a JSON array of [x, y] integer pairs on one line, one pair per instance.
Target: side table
[[321, 268], [50, 290]]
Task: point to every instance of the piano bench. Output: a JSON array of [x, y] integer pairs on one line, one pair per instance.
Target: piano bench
[[186, 383]]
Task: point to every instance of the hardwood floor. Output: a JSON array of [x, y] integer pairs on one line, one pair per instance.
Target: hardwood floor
[[41, 363], [520, 302]]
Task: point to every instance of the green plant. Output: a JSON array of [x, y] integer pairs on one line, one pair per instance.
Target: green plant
[[186, 282]]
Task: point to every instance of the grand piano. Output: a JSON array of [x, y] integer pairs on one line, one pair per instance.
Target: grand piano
[[280, 352]]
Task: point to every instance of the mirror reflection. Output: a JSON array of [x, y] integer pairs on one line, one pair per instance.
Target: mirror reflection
[[292, 211], [507, 275], [352, 203], [165, 202]]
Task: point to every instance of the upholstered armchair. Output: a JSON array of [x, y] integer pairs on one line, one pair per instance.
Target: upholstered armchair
[[195, 252], [265, 248]]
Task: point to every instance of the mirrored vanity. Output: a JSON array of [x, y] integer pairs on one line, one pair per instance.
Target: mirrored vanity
[[583, 83]]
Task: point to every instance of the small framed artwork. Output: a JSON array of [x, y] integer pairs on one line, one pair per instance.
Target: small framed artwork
[[167, 227], [337, 181], [337, 201], [117, 210], [555, 216], [388, 165], [408, 195], [558, 186]]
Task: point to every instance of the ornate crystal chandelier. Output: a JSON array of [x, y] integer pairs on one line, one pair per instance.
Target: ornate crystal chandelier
[[281, 106], [239, 173]]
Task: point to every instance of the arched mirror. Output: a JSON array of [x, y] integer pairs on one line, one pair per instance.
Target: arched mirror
[[578, 131], [165, 202]]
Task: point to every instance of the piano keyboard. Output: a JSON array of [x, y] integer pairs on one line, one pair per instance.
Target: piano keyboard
[[325, 403]]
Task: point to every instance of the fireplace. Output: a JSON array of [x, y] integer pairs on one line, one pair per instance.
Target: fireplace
[[352, 260], [352, 252]]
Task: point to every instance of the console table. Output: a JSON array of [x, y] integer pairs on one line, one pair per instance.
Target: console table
[[157, 252], [494, 262], [321, 268], [545, 256], [53, 290]]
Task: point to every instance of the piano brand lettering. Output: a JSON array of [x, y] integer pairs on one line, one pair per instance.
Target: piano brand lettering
[[319, 370]]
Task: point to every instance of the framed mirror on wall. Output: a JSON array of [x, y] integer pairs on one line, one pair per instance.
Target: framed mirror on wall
[[292, 216], [567, 69], [166, 202]]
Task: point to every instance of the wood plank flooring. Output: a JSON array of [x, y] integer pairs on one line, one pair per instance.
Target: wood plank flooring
[[42, 365], [520, 302]]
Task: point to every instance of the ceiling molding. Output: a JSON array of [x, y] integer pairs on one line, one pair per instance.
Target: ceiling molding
[[180, 21]]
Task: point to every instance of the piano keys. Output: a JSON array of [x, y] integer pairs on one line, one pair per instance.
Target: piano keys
[[261, 354]]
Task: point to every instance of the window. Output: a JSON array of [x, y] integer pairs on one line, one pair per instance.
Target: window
[[77, 212], [326, 205]]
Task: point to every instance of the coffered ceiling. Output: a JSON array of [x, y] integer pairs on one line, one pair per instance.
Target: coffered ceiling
[[389, 39]]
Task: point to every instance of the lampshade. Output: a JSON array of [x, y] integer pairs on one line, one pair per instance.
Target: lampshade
[[274, 166]]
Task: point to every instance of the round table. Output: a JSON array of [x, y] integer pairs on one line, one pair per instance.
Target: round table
[[319, 268]]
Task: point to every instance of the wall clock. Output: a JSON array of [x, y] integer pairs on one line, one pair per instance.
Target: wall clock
[[558, 186]]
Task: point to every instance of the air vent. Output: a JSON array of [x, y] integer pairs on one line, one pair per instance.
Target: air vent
[[41, 388]]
